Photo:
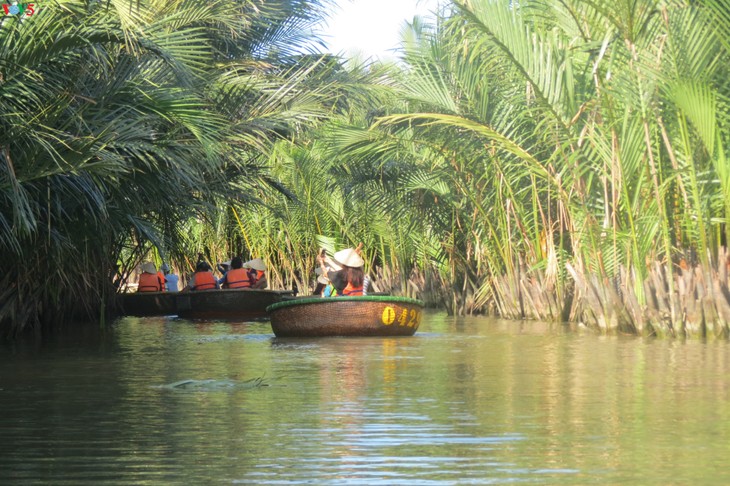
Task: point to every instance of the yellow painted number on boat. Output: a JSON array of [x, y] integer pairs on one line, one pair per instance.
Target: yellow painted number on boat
[[403, 320], [414, 318], [388, 316]]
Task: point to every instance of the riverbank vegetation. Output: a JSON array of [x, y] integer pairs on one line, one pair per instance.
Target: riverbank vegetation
[[124, 124], [552, 160]]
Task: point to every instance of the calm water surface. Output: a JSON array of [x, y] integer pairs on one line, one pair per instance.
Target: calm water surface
[[464, 401]]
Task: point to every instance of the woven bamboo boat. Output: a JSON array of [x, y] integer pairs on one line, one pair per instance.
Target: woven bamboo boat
[[227, 303], [346, 316], [144, 304]]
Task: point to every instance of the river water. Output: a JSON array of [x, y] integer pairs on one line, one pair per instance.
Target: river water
[[464, 401]]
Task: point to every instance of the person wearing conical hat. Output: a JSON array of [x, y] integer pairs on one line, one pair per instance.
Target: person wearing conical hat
[[257, 269], [334, 273], [149, 280], [321, 283], [348, 281]]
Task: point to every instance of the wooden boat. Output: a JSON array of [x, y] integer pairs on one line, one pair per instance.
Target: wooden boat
[[143, 304], [227, 303], [346, 316]]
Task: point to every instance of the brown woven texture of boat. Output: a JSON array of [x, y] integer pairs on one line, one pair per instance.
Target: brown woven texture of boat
[[346, 316]]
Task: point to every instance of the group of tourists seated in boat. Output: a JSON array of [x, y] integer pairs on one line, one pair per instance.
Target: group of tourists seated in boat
[[341, 275], [236, 275], [152, 280]]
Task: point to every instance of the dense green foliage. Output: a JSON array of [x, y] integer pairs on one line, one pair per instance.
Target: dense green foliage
[[572, 135], [520, 154], [532, 154], [123, 123]]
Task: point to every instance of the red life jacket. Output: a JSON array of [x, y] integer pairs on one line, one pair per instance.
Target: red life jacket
[[204, 281], [161, 278], [149, 282], [350, 291], [255, 275], [237, 278]]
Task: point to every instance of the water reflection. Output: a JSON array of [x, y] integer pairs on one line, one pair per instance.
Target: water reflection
[[464, 401]]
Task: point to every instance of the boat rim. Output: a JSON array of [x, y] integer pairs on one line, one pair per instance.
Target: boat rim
[[327, 300]]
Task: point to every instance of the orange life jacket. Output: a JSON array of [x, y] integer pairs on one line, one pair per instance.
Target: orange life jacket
[[237, 278], [161, 278], [149, 282], [350, 290], [256, 275], [204, 281]]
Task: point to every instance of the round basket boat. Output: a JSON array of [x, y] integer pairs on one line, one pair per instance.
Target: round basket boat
[[346, 316]]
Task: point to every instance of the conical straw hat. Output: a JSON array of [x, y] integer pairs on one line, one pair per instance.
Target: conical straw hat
[[149, 267], [321, 278], [256, 264], [349, 257]]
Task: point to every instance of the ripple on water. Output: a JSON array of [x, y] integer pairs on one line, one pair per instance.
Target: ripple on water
[[465, 401]]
